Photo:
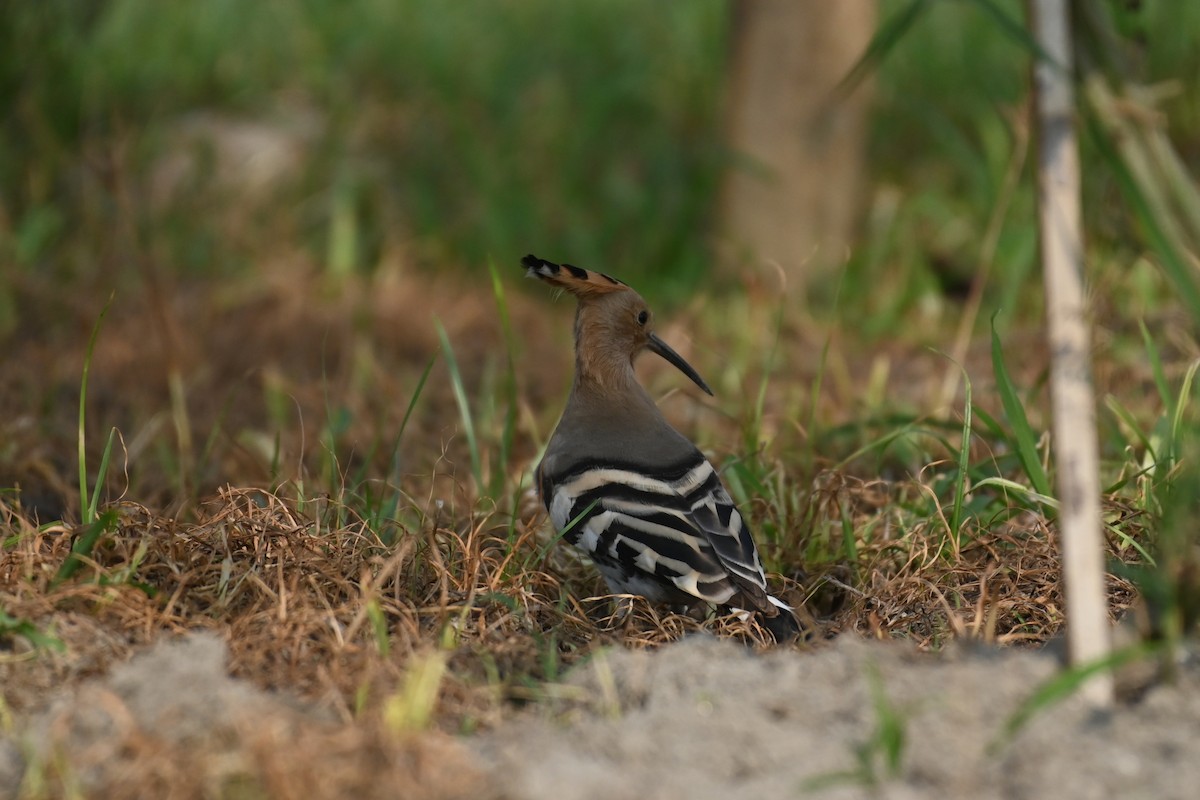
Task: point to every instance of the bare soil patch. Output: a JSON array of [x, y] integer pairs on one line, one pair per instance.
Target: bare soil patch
[[707, 719], [701, 718]]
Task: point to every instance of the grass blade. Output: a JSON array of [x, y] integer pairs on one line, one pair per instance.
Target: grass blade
[[464, 407], [1156, 226], [85, 544], [849, 542], [1025, 441], [411, 707], [1185, 394], [545, 551], [1015, 30], [890, 33], [1156, 369], [1022, 491], [510, 382], [84, 502], [1126, 416], [18, 626], [412, 404], [1063, 685], [101, 473], [964, 466]]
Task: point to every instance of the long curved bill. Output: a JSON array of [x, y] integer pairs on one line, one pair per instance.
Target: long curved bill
[[659, 347]]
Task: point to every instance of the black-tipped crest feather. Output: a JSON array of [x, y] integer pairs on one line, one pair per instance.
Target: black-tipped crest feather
[[576, 280]]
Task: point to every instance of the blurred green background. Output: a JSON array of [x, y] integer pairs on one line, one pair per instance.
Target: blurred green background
[[451, 133]]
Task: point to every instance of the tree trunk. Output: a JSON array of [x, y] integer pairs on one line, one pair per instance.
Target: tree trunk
[[793, 194]]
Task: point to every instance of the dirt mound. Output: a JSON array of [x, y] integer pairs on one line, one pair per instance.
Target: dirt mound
[[701, 718], [706, 718], [171, 723]]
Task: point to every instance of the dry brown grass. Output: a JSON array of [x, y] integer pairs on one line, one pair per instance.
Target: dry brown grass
[[1000, 586], [295, 599]]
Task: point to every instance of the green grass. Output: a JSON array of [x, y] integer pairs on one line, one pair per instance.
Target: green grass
[[590, 130], [464, 406], [485, 129], [879, 758], [1062, 686], [1023, 438]]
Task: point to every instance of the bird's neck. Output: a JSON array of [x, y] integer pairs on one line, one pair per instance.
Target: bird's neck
[[606, 385], [604, 371]]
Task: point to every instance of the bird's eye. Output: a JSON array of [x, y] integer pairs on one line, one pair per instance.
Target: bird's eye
[[643, 317]]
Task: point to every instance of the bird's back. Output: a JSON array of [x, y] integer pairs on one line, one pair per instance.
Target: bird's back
[[651, 512]]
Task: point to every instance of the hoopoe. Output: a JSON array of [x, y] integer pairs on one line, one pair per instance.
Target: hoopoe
[[629, 490]]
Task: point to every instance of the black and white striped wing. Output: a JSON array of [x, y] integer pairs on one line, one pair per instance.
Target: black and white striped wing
[[717, 516], [669, 534]]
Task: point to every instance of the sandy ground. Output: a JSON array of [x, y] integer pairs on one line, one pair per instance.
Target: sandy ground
[[707, 719], [700, 719]]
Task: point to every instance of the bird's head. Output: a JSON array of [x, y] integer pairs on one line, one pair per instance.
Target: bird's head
[[613, 324]]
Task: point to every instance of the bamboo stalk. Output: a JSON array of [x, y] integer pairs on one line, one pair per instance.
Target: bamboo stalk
[[1072, 396]]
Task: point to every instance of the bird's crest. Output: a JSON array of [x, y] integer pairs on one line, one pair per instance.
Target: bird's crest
[[576, 280]]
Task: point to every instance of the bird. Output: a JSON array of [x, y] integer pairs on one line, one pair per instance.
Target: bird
[[629, 490]]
